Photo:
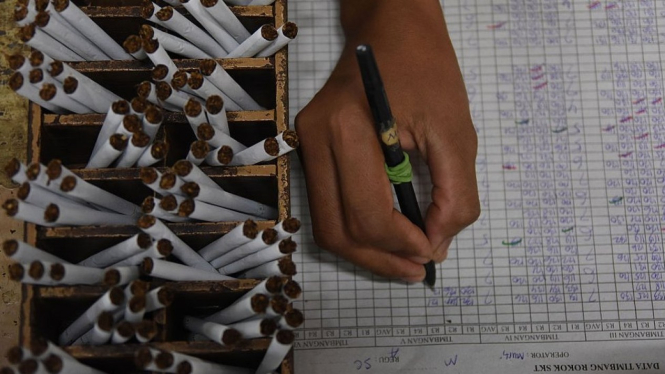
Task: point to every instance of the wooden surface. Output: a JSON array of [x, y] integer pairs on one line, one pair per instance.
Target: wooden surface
[[13, 143]]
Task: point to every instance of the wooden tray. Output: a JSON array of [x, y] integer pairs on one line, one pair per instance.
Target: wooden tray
[[46, 311]]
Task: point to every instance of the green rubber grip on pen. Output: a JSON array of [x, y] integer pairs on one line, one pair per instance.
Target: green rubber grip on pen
[[400, 173]]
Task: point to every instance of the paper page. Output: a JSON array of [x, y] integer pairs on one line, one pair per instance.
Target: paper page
[[564, 271]]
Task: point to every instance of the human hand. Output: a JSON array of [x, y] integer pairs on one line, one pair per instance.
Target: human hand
[[350, 196]]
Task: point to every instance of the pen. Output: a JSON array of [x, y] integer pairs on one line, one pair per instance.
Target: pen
[[395, 158]]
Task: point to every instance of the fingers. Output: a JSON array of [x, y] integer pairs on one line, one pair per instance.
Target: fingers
[[385, 264], [455, 204]]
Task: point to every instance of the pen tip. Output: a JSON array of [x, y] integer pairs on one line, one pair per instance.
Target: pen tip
[[430, 274]]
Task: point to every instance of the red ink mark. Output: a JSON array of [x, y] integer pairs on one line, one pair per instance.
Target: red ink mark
[[627, 154], [626, 119], [509, 167], [538, 77], [639, 101], [540, 86], [657, 101], [536, 69], [611, 6], [660, 146], [609, 128], [496, 26], [641, 136], [594, 5], [641, 111]]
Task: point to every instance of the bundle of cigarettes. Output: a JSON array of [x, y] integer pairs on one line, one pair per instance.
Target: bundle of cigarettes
[[43, 357], [63, 31], [56, 86], [222, 35], [54, 196], [244, 252]]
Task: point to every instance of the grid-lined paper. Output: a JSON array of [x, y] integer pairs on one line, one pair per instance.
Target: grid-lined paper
[[565, 265]]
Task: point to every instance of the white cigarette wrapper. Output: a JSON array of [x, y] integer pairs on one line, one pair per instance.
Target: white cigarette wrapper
[[223, 38], [126, 248], [238, 311], [211, 330], [277, 350], [229, 241], [85, 216], [177, 272], [271, 253], [244, 250], [253, 155], [25, 253], [225, 17], [109, 302], [228, 200], [194, 34], [257, 42], [222, 80], [279, 43], [182, 47]]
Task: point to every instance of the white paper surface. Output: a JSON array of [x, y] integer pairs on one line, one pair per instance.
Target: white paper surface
[[564, 271]]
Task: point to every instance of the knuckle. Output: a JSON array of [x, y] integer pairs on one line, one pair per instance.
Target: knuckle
[[467, 211], [364, 228]]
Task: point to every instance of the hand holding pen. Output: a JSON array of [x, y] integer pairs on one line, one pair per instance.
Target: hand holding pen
[[349, 192]]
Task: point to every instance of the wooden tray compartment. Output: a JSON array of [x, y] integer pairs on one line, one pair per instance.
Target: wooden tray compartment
[[46, 310]]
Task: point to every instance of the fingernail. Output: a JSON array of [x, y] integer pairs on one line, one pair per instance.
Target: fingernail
[[419, 260], [416, 279]]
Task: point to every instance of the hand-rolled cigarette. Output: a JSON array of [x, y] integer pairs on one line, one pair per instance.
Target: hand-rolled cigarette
[[31, 366], [221, 334], [157, 54], [171, 183], [175, 100], [223, 38], [35, 195], [216, 113], [160, 249], [122, 332], [278, 250], [120, 275], [208, 212], [172, 43], [257, 328], [42, 41], [72, 40], [217, 138], [134, 47], [261, 152], [287, 227], [204, 89], [109, 302], [50, 93], [151, 205], [51, 178], [257, 42], [179, 82], [15, 170], [135, 309], [145, 358], [57, 364], [291, 290], [284, 267], [182, 251], [221, 156], [161, 73], [114, 117], [198, 152], [78, 188], [137, 144], [146, 331], [40, 60], [147, 90], [152, 120], [88, 97], [158, 298], [60, 71], [241, 234], [25, 212], [37, 78], [100, 332], [288, 141], [67, 215], [29, 274], [243, 308], [138, 106], [118, 252], [177, 272], [38, 174], [175, 21], [153, 154], [194, 113], [228, 200], [286, 34], [131, 123], [16, 354], [23, 252], [225, 17], [222, 80], [22, 87], [41, 348], [73, 274], [79, 20], [190, 173], [277, 350], [270, 286], [24, 15], [170, 203], [291, 320], [108, 152], [150, 177], [19, 63], [263, 240]]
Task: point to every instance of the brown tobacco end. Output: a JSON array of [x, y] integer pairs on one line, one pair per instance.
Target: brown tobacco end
[[52, 213], [287, 246], [285, 337], [259, 303], [179, 79], [70, 85], [48, 91], [231, 336], [150, 45], [10, 247], [268, 32], [16, 81], [268, 327], [117, 295], [36, 58], [164, 247], [57, 271], [125, 329], [287, 266], [165, 296], [147, 10], [153, 115], [225, 155], [292, 289], [290, 137], [159, 149], [119, 141], [26, 32], [146, 32], [165, 13], [54, 169], [60, 5], [143, 89], [271, 146], [182, 168], [147, 265], [36, 76], [33, 170], [250, 229], [274, 284], [168, 180], [16, 272], [148, 175], [147, 329], [57, 68], [42, 19], [148, 205], [184, 368], [291, 225], [205, 132], [15, 61], [164, 90], [195, 80], [164, 360], [29, 366], [159, 73], [208, 3], [207, 67], [143, 356], [279, 304], [193, 108], [146, 221], [186, 208], [36, 270], [68, 183], [105, 321], [269, 236], [200, 149], [14, 355], [137, 303], [169, 203], [290, 30], [12, 168], [191, 189], [20, 12], [120, 107], [214, 104], [111, 277], [144, 241], [132, 44], [140, 139], [294, 318], [139, 105]]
